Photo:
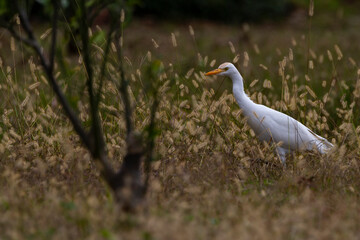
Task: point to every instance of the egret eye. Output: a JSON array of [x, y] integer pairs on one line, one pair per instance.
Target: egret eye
[[226, 68]]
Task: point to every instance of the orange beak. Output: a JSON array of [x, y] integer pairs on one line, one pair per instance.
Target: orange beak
[[214, 72]]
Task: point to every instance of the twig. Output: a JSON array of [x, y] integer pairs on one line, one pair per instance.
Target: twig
[[122, 87], [53, 37], [150, 143], [96, 125], [103, 66], [19, 38]]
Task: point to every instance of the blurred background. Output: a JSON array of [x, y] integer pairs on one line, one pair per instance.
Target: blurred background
[[230, 11], [246, 24]]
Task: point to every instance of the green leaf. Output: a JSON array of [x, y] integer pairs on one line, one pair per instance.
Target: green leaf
[[3, 7], [98, 37], [68, 205], [106, 234], [90, 3]]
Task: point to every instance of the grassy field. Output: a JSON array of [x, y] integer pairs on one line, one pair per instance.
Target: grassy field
[[212, 179]]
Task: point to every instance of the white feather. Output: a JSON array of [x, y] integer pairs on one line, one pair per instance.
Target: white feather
[[271, 125]]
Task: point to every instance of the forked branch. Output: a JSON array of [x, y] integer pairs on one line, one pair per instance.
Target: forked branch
[[48, 67], [90, 141], [129, 175]]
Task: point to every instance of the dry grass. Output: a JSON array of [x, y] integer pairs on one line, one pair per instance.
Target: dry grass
[[211, 179]]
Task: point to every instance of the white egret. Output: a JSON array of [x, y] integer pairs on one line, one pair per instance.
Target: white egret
[[270, 125]]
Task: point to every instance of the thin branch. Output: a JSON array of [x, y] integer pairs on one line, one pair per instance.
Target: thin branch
[[20, 38], [24, 21], [53, 37], [103, 66], [99, 145], [124, 83], [150, 143]]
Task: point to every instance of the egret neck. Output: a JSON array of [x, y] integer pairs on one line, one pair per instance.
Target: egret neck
[[238, 90]]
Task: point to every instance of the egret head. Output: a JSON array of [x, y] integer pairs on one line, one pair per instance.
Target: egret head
[[225, 69]]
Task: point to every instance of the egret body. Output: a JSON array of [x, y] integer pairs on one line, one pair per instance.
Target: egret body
[[271, 125]]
